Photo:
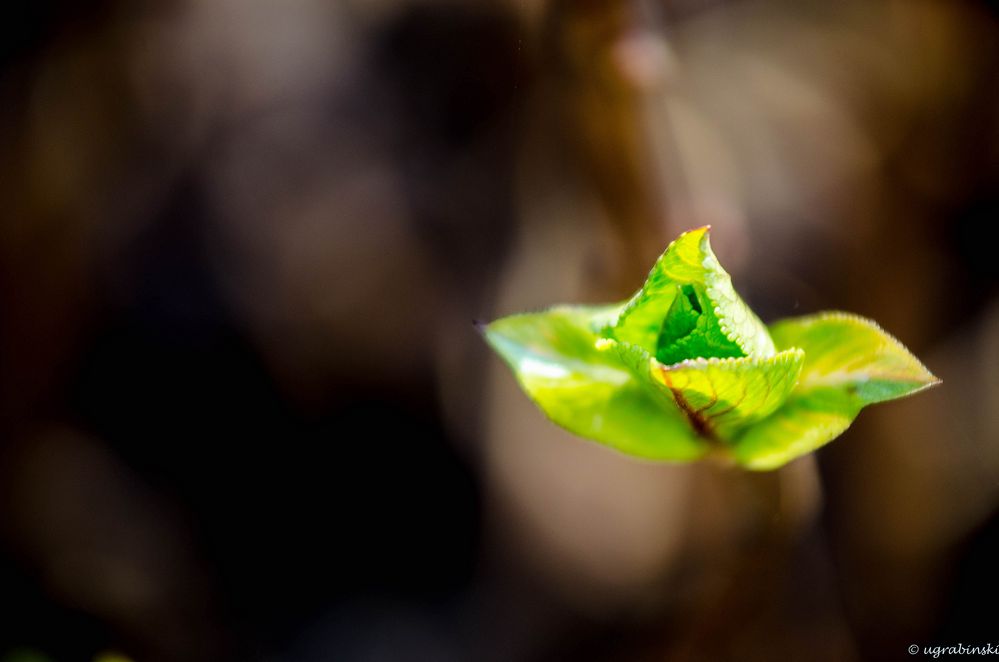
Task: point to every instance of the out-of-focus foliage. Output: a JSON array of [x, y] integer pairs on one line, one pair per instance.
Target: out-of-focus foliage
[[24, 655], [685, 368], [241, 246], [111, 656]]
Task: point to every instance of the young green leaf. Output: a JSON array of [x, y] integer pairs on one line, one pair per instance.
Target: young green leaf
[[720, 396], [692, 330], [804, 423], [589, 392], [685, 367], [849, 352], [723, 325], [850, 362]]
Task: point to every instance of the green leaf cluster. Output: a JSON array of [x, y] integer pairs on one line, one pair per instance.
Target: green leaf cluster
[[684, 369]]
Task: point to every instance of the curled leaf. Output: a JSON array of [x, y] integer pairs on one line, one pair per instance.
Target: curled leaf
[[720, 396], [685, 367], [724, 325], [587, 391], [853, 353], [850, 362]]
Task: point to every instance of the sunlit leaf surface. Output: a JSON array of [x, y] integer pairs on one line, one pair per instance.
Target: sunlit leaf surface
[[588, 391], [849, 352], [685, 368], [720, 396], [710, 319]]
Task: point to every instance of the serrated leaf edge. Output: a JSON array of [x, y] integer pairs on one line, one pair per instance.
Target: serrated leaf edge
[[640, 296], [711, 286], [889, 339]]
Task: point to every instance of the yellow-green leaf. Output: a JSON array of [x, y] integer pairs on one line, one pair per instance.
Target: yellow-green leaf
[[721, 396], [589, 392], [685, 367], [723, 326], [850, 362], [851, 352], [806, 422]]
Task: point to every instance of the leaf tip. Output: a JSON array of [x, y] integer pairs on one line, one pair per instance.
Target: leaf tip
[[703, 235], [932, 380], [702, 231], [925, 378], [493, 336], [928, 378]]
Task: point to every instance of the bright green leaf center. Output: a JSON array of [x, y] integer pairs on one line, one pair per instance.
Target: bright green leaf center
[[684, 367], [691, 330]]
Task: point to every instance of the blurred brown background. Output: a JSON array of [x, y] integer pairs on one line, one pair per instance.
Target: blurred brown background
[[244, 414]]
